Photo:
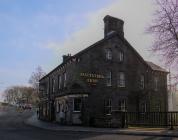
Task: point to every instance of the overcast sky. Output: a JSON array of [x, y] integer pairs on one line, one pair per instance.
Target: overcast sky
[[39, 32]]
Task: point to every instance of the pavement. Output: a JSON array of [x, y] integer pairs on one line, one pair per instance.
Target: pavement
[[160, 132]]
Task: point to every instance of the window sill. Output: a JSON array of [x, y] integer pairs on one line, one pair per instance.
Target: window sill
[[121, 86], [76, 111], [108, 114]]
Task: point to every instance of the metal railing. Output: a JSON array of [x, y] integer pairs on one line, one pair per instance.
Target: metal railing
[[151, 118]]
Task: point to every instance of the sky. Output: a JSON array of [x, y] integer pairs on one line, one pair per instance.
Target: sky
[[38, 32]]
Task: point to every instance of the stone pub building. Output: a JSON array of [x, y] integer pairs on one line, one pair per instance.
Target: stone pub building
[[107, 76]]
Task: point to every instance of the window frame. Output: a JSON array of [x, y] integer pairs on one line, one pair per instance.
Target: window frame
[[58, 106], [121, 56], [59, 81], [143, 107], [108, 106], [80, 104], [122, 105], [142, 81], [121, 82], [65, 79], [53, 85], [156, 83], [109, 79], [109, 55]]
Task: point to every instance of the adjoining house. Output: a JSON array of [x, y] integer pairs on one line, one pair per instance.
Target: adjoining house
[[107, 76]]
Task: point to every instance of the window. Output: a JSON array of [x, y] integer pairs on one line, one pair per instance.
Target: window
[[108, 106], [108, 78], [77, 104], [57, 106], [157, 107], [121, 56], [65, 78], [156, 83], [53, 85], [142, 82], [122, 105], [108, 54], [48, 85], [143, 107], [47, 88], [121, 79], [59, 81]]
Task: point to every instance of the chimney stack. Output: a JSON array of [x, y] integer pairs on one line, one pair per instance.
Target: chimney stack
[[65, 57], [112, 24]]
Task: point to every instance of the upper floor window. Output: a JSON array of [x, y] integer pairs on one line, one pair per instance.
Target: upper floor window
[[65, 79], [108, 54], [47, 88], [142, 82], [121, 56], [108, 78], [59, 81], [53, 85], [121, 79], [48, 85], [156, 83], [108, 106]]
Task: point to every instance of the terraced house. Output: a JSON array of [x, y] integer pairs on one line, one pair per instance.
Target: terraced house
[[107, 76]]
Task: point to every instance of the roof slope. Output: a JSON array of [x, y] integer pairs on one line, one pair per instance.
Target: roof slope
[[150, 64], [155, 67]]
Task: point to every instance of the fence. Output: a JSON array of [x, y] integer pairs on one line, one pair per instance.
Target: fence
[[152, 118]]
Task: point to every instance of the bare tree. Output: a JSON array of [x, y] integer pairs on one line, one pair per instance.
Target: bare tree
[[165, 31], [35, 77], [19, 94]]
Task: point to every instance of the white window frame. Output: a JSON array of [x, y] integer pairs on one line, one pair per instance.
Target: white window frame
[[108, 54], [121, 56], [156, 83], [122, 106], [108, 106], [47, 92], [121, 79], [74, 110], [157, 107], [143, 107], [142, 81], [53, 89], [59, 81], [65, 79], [109, 78], [57, 106]]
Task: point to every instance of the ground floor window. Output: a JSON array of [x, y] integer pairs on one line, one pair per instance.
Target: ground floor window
[[143, 107], [122, 106], [157, 107], [77, 104], [108, 106], [57, 106]]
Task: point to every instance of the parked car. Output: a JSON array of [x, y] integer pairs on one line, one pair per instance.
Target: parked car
[[28, 106]]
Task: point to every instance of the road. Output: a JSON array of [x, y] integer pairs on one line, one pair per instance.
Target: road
[[13, 128]]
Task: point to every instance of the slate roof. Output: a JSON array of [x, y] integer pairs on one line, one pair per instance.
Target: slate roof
[[155, 67], [150, 64]]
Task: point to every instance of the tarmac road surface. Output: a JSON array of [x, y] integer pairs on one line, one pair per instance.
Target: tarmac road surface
[[12, 127]]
